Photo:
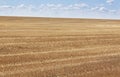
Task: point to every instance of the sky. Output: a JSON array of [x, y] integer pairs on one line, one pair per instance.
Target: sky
[[100, 9]]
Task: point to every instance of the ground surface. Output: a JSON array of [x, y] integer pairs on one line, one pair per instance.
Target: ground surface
[[44, 47]]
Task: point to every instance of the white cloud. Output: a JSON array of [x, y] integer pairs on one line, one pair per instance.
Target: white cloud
[[64, 7], [102, 9], [110, 1], [45, 6], [99, 9], [6, 7], [113, 11], [21, 6], [81, 5], [58, 10]]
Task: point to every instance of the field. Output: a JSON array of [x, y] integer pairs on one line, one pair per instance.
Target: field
[[53, 47]]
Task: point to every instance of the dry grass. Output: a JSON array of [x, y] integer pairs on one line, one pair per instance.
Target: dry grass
[[44, 47]]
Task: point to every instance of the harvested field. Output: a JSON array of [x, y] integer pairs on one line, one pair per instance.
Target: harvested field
[[48, 47]]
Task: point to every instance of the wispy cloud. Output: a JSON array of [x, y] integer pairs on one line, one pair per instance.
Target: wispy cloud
[[110, 1], [76, 10], [5, 7], [61, 6]]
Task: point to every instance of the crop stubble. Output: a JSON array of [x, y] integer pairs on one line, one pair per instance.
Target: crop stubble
[[48, 47]]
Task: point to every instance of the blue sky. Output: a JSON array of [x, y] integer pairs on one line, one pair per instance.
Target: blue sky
[[108, 9]]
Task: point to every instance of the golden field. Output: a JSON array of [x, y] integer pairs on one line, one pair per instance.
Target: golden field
[[53, 47]]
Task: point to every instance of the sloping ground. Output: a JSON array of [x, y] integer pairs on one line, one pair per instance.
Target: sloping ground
[[46, 47]]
